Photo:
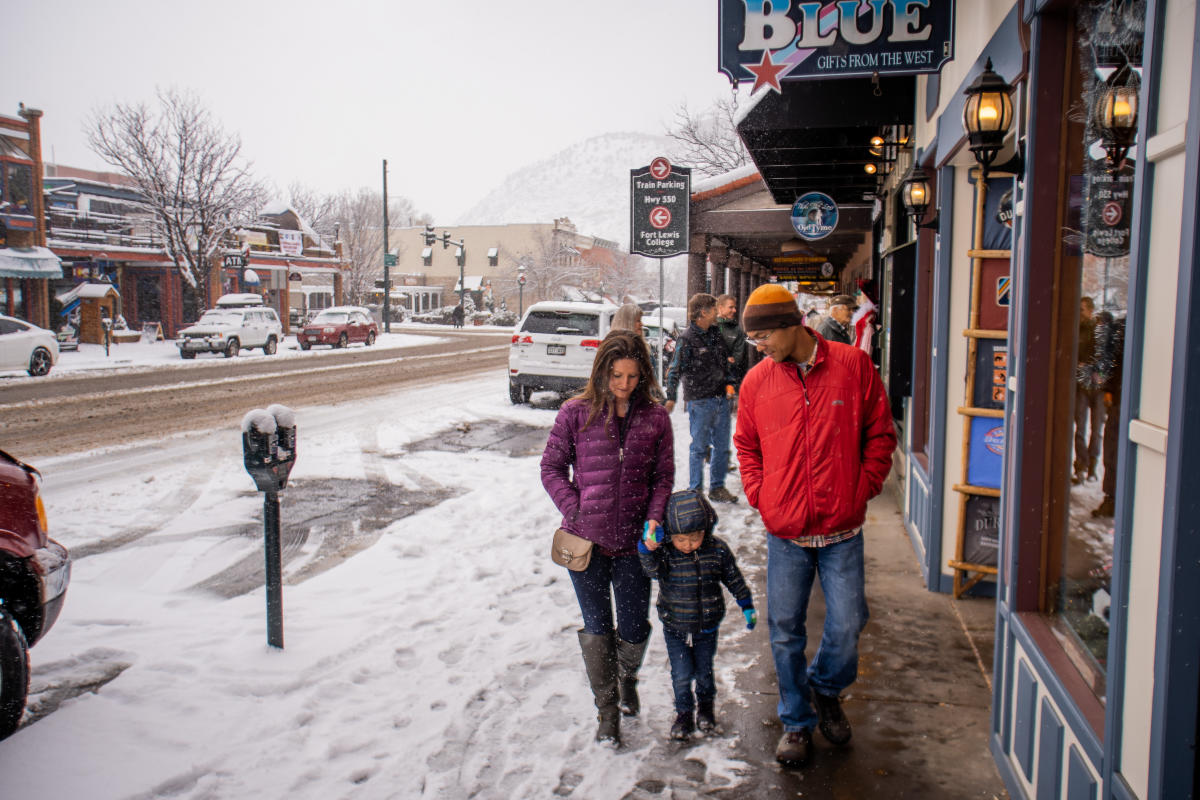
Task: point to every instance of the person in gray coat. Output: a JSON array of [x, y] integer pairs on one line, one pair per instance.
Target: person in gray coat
[[836, 326]]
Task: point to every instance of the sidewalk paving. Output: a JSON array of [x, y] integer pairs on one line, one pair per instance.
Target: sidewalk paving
[[921, 708]]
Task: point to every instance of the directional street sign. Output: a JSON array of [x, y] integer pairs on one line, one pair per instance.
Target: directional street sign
[[390, 259], [658, 209]]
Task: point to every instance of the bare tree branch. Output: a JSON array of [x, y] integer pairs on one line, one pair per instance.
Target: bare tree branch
[[708, 142], [188, 169]]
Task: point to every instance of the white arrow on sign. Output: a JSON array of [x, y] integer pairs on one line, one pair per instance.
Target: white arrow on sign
[[660, 168], [660, 217]]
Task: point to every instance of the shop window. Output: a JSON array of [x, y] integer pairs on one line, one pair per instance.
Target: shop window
[[18, 188], [493, 256], [1094, 251], [427, 256]]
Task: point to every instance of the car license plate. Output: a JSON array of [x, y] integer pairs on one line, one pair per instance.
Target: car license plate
[[556, 349], [312, 338]]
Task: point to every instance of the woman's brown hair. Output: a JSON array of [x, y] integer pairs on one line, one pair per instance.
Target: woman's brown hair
[[616, 346]]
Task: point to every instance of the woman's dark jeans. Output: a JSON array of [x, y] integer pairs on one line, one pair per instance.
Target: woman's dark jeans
[[691, 662], [630, 586]]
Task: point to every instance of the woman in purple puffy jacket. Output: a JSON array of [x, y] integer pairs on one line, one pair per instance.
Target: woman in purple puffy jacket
[[609, 466]]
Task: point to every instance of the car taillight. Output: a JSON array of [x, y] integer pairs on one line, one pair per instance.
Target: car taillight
[[526, 340], [590, 343], [516, 338]]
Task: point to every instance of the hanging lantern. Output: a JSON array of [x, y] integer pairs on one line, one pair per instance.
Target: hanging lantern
[[914, 196], [1115, 114], [987, 115]]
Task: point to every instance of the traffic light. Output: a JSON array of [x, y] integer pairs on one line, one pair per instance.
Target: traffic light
[[430, 236], [460, 257]]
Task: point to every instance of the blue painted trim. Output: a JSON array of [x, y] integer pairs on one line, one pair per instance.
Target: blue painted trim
[[1025, 705], [1010, 659], [1000, 648], [1005, 768], [1080, 783], [1176, 695], [1079, 726], [1050, 753], [939, 370], [1008, 61], [1118, 789], [1131, 402]]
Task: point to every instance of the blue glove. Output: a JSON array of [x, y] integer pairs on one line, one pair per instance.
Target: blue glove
[[751, 618], [656, 537]]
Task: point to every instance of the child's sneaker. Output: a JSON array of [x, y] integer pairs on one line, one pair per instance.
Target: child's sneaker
[[706, 721], [683, 727]]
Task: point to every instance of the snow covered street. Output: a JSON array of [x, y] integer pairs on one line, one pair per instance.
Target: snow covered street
[[430, 646]]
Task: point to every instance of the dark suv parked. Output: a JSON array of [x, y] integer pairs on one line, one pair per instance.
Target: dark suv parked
[[34, 573]]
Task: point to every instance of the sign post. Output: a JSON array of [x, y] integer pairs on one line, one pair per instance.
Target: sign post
[[659, 221]]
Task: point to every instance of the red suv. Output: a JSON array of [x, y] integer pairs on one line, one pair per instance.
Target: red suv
[[339, 326], [34, 573]]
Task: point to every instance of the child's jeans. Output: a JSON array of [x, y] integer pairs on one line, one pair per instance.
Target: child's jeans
[[691, 662]]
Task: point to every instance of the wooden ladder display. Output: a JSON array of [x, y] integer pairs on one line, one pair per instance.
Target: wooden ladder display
[[966, 573]]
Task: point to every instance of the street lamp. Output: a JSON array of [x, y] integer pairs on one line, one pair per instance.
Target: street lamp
[[914, 195], [1115, 114], [521, 290], [987, 115]]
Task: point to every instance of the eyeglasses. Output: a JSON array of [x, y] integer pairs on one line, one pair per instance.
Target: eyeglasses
[[762, 339]]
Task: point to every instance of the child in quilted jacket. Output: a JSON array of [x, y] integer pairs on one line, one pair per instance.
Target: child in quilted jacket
[[691, 564]]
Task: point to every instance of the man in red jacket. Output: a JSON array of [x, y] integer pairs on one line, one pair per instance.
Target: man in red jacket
[[814, 440]]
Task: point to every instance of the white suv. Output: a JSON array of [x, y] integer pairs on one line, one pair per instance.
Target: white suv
[[554, 346], [228, 330]]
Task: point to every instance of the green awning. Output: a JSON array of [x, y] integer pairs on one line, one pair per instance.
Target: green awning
[[29, 262]]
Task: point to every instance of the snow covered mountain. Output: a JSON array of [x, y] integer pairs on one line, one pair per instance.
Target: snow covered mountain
[[587, 182]]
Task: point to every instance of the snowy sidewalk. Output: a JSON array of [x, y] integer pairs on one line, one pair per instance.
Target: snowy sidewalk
[[920, 709]]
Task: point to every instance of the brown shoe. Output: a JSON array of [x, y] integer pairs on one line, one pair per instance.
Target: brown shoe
[[834, 725], [722, 495], [794, 748]]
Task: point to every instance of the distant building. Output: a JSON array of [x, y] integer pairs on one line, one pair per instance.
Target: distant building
[[26, 266]]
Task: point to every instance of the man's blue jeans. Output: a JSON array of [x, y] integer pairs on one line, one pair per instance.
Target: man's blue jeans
[[691, 662], [709, 421], [791, 571]]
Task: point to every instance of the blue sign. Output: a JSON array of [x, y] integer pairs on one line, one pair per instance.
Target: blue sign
[[814, 216], [985, 456], [766, 41], [1003, 290]]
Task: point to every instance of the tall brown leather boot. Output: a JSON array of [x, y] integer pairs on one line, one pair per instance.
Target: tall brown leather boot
[[600, 661]]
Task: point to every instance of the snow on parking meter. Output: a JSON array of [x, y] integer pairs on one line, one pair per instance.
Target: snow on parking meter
[[269, 451], [269, 446]]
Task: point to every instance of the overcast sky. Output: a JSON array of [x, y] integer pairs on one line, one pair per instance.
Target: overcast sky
[[456, 94]]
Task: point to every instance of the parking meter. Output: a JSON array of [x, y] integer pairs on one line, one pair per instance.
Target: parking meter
[[269, 451], [269, 446], [106, 323]]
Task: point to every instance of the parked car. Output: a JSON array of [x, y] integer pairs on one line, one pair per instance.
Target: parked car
[[340, 326], [25, 346], [228, 330], [554, 346], [651, 330], [34, 573]]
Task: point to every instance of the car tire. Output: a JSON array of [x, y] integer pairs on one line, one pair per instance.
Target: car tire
[[187, 354], [343, 342], [270, 347], [232, 348], [517, 393], [305, 345], [40, 362], [370, 338], [14, 674]]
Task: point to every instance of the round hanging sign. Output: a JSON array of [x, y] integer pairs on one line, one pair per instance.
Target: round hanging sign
[[814, 216]]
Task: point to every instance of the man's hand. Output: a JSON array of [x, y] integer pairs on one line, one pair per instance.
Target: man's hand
[[669, 406]]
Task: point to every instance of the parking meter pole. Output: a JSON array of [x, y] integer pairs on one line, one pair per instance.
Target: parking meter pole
[[274, 567]]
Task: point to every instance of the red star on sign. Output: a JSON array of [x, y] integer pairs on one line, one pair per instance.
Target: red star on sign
[[766, 73]]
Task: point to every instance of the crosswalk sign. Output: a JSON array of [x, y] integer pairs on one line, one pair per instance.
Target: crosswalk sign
[[1003, 284]]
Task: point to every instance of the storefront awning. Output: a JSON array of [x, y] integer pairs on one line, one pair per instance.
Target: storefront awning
[[473, 283], [29, 262]]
